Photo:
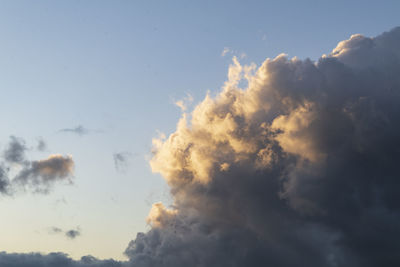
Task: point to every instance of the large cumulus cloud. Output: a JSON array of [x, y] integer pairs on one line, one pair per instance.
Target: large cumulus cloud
[[300, 168]]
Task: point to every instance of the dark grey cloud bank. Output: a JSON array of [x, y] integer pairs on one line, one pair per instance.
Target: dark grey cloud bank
[[52, 260], [298, 169], [37, 175]]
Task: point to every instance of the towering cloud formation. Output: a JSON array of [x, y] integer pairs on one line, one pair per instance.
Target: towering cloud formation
[[298, 169]]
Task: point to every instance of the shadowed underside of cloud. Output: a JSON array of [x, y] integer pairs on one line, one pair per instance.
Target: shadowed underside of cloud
[[298, 169]]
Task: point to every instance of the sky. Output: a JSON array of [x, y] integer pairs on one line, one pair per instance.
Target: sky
[[92, 83]]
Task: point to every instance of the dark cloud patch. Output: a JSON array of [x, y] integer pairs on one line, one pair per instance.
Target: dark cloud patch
[[42, 174], [73, 233], [298, 169], [52, 259], [4, 181], [121, 160], [15, 151], [37, 175], [55, 230], [79, 130], [41, 145]]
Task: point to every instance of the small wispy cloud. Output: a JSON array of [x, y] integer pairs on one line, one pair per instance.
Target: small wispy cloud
[[228, 50], [121, 160], [17, 172], [55, 230], [73, 233], [41, 144], [225, 51], [41, 174], [184, 102], [79, 130], [264, 37]]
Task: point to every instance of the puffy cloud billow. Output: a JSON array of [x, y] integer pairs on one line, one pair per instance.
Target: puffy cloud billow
[[300, 168]]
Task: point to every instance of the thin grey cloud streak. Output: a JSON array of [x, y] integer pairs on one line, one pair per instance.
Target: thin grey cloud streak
[[298, 169], [55, 230], [79, 130], [38, 175]]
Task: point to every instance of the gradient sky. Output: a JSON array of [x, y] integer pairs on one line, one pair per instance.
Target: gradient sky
[[116, 68]]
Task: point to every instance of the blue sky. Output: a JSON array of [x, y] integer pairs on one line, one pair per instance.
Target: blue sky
[[116, 68]]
